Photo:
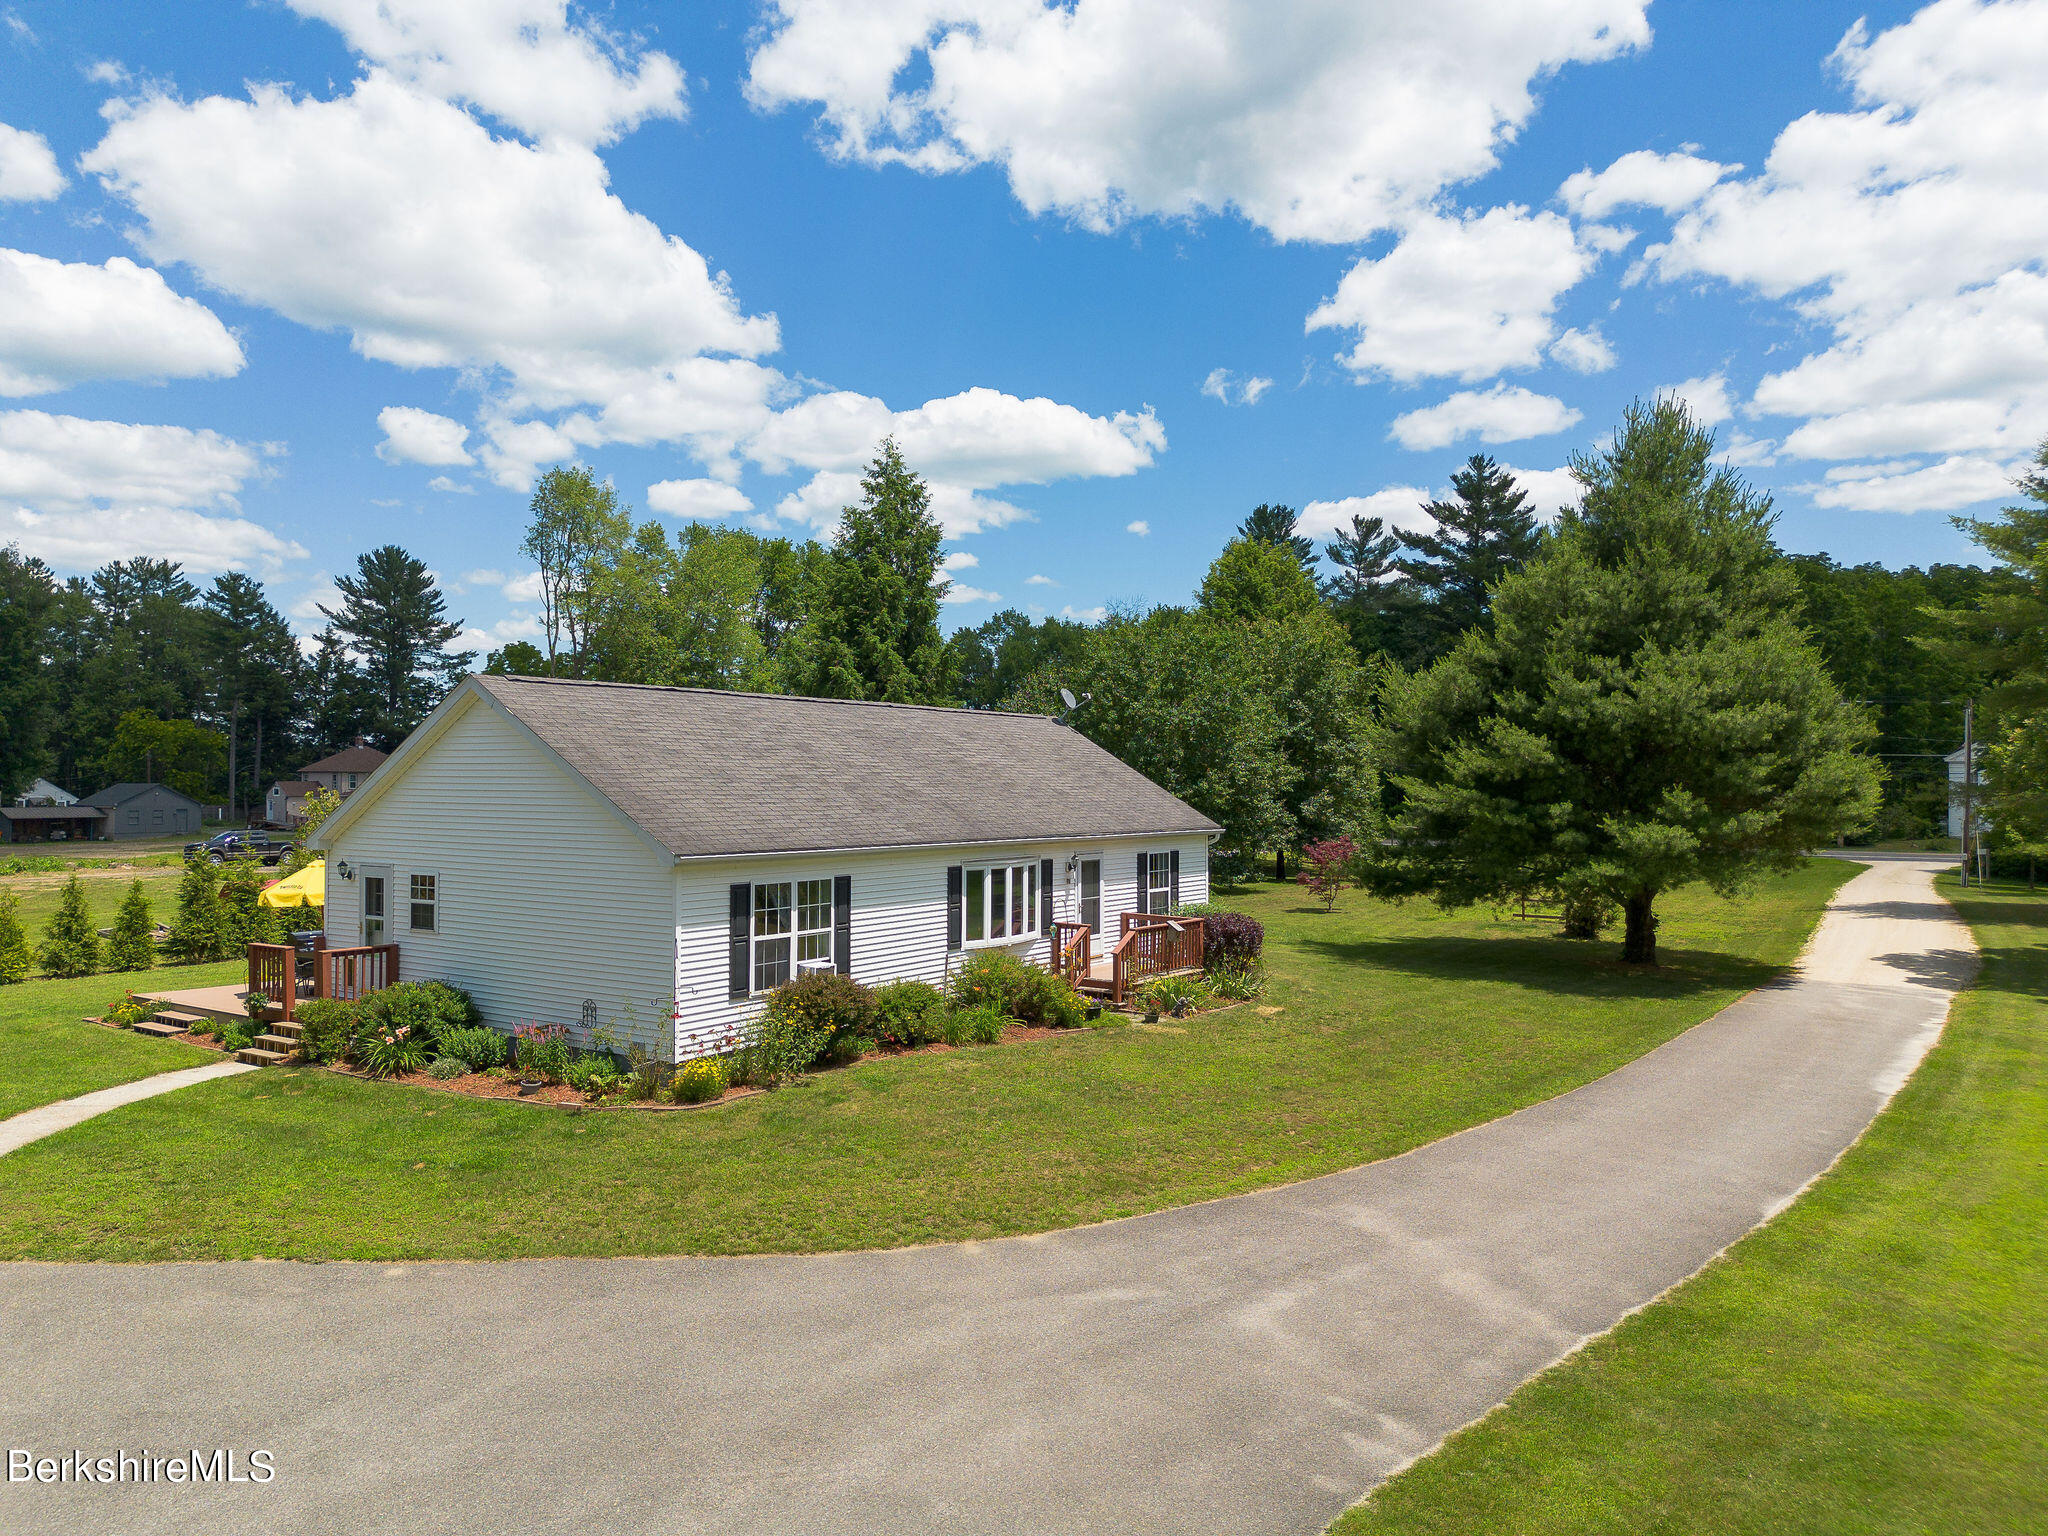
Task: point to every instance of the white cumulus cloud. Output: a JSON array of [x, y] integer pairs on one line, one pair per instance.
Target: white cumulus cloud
[[1707, 398], [1399, 506], [1958, 481], [65, 323], [1140, 527], [28, 171], [1234, 389], [414, 436], [1318, 120], [1505, 413], [1461, 297], [697, 498], [79, 492], [1584, 350], [1643, 179]]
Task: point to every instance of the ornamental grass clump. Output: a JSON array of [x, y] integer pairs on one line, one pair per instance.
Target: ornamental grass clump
[[385, 1050], [975, 1026], [1176, 996]]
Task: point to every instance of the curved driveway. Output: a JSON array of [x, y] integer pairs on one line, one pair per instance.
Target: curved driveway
[[1250, 1365]]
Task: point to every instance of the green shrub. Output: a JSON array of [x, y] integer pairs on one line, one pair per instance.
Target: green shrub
[[700, 1081], [1048, 1000], [234, 1036], [129, 1010], [447, 1068], [1176, 996], [200, 930], [481, 1048], [909, 1013], [385, 1050], [975, 1026], [14, 955], [199, 1029], [805, 1020], [327, 1026], [133, 947], [71, 941], [593, 1076], [431, 1010], [990, 978]]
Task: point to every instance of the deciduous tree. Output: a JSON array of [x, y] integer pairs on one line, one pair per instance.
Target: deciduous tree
[[1253, 582]]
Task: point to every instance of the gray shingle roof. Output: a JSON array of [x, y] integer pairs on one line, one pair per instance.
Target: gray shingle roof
[[708, 773], [116, 794]]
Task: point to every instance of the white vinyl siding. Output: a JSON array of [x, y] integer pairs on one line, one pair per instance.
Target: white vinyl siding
[[544, 896], [898, 916]]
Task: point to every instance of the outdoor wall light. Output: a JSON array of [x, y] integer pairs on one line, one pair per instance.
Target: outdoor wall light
[[345, 869]]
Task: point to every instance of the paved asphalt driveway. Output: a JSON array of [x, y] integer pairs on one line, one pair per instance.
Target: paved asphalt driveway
[[1251, 1365]]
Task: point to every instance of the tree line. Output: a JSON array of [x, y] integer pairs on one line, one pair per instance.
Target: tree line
[[135, 673]]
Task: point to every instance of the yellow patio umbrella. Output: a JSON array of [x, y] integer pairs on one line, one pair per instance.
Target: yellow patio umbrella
[[308, 888]]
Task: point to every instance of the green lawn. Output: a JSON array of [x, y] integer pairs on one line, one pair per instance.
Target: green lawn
[[47, 1054], [1874, 1361], [1393, 1026]]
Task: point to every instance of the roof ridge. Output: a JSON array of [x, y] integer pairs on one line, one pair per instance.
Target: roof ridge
[[741, 693]]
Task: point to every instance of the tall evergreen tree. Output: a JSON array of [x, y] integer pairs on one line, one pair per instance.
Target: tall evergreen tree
[[2004, 637], [15, 959], [393, 616], [339, 702], [874, 632], [71, 940], [1255, 582], [1274, 524], [133, 947], [28, 610], [1643, 711], [1482, 533], [1376, 606], [253, 664]]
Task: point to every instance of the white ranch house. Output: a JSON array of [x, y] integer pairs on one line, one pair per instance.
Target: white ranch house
[[587, 853]]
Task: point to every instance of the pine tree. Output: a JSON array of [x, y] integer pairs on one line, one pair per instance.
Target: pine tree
[[1376, 607], [874, 633], [2004, 637], [1644, 710], [134, 943], [394, 617], [28, 611], [71, 940], [1485, 531], [253, 669], [1274, 524], [200, 931], [14, 955]]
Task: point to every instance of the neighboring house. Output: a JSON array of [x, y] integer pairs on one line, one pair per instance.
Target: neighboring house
[[43, 792], [285, 805], [146, 810], [583, 853], [51, 823], [1956, 786], [345, 770]]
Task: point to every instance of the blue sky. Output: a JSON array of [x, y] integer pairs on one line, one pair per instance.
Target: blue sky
[[282, 281]]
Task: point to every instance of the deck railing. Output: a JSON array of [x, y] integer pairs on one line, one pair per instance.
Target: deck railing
[[273, 971], [1073, 950], [354, 972], [1152, 945]]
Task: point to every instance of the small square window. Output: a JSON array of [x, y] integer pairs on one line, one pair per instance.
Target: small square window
[[425, 899]]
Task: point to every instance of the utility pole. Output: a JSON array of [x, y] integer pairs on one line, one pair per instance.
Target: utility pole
[[1969, 784]]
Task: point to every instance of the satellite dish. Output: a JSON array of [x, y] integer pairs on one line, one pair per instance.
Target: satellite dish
[[1067, 697]]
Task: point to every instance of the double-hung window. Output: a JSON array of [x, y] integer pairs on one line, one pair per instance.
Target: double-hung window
[[1158, 892], [792, 930], [425, 904], [999, 903]]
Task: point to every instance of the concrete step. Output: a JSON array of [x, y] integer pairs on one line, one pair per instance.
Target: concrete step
[[273, 1041], [161, 1028], [256, 1056]]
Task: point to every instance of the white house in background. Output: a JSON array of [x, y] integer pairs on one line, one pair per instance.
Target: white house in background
[[660, 858], [43, 792]]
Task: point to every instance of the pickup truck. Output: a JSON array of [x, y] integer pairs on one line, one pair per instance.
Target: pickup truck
[[222, 846]]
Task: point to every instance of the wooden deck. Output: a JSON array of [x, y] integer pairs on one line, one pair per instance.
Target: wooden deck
[[223, 1003], [1152, 946]]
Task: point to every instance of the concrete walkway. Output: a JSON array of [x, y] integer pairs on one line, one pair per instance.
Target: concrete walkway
[[1251, 1365], [48, 1119]]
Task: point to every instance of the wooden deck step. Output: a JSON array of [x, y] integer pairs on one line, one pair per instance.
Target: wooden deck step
[[256, 1056], [291, 1029], [177, 1018], [161, 1028], [284, 1045]]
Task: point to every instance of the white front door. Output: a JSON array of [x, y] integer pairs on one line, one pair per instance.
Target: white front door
[[376, 901]]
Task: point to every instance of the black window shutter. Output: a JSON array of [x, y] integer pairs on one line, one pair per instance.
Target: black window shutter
[[1045, 896], [742, 904], [842, 922], [1173, 876], [1144, 882], [955, 932]]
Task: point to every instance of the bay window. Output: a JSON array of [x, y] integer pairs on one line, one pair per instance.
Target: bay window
[[999, 903]]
